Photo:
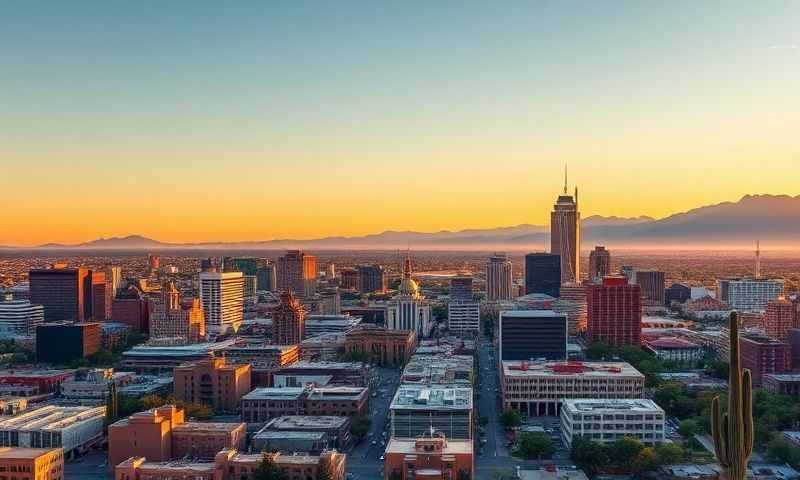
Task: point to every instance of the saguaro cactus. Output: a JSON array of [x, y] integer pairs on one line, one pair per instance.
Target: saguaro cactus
[[733, 430]]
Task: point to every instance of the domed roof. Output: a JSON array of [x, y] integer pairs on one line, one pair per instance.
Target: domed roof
[[408, 286]]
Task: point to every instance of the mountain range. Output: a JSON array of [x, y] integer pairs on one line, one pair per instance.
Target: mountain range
[[772, 219]]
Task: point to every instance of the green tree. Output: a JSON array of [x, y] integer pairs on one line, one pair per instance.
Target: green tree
[[599, 351], [535, 445], [688, 428], [781, 450], [267, 470], [589, 456], [360, 426], [151, 401], [510, 418], [200, 411], [624, 451], [717, 369], [646, 460], [101, 357], [669, 454]]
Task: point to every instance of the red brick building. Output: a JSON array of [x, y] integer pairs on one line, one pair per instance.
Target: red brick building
[[130, 307], [779, 319], [614, 312], [763, 355]]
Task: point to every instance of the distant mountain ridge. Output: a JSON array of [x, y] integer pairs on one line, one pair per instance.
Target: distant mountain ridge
[[773, 219]]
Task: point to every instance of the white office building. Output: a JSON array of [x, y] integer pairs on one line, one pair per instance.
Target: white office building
[[222, 296], [464, 316], [749, 294], [605, 421], [71, 428], [20, 318]]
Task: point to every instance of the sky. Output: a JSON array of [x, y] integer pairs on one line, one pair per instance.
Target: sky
[[198, 121]]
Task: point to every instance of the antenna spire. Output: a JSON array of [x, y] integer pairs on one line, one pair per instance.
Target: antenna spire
[[565, 179]]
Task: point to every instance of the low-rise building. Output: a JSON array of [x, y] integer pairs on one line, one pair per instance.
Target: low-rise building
[[32, 463], [63, 342], [432, 457], [380, 344], [143, 385], [321, 324], [263, 404], [341, 373], [13, 405], [605, 421], [289, 442], [783, 383], [94, 386], [675, 349], [322, 348], [231, 465], [74, 429], [213, 382], [263, 358], [439, 369], [160, 359], [44, 381], [337, 429], [538, 388], [416, 409]]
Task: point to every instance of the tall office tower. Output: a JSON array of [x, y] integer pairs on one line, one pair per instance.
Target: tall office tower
[[153, 262], [330, 302], [614, 312], [652, 285], [221, 294], [206, 265], [250, 289], [565, 234], [498, 278], [461, 289], [288, 321], [101, 297], [532, 335], [350, 279], [265, 278], [65, 293], [628, 272], [572, 302], [543, 273], [371, 278], [20, 317], [779, 319], [131, 308], [173, 322], [114, 279], [599, 263], [749, 294], [330, 271], [246, 265], [298, 271]]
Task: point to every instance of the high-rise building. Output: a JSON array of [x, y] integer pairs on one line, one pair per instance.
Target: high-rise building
[[779, 319], [408, 310], [131, 308], [330, 271], [171, 321], [652, 286], [614, 312], [265, 278], [532, 335], [20, 318], [371, 278], [63, 342], [565, 234], [114, 278], [249, 290], [298, 270], [288, 321], [543, 274], [763, 355], [463, 316], [678, 293], [349, 279], [498, 278], [749, 294], [222, 297], [153, 262], [572, 302], [599, 263], [461, 289], [101, 297], [65, 293]]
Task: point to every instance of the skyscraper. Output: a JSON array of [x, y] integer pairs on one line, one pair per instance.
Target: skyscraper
[[114, 278], [298, 270], [543, 273], [498, 278], [572, 302], [371, 278], [532, 334], [221, 295], [288, 321], [461, 289], [246, 265], [779, 319], [565, 234], [101, 297], [599, 263], [171, 321], [266, 278], [65, 293], [153, 262], [614, 312], [652, 284]]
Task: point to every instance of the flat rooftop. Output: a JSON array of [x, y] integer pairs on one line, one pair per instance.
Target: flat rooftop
[[784, 377], [515, 368], [419, 397], [51, 417], [306, 422], [207, 427], [177, 350], [644, 405], [11, 453], [531, 314], [306, 364], [409, 447], [34, 373], [289, 435], [338, 393], [272, 393]]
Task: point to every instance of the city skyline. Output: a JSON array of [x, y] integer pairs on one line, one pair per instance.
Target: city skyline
[[187, 123]]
